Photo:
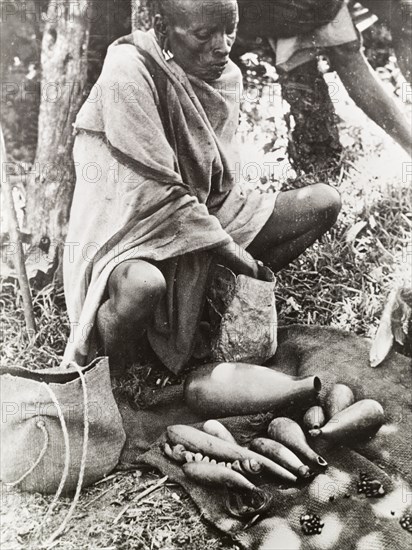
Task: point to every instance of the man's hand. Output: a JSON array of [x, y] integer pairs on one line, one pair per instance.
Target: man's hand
[[241, 262]]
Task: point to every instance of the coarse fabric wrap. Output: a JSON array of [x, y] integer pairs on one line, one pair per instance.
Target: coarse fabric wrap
[[156, 160]]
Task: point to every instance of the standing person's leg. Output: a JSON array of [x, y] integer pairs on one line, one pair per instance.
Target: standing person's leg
[[365, 88], [299, 218], [314, 144], [135, 287]]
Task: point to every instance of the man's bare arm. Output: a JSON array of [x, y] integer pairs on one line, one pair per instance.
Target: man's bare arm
[[239, 261]]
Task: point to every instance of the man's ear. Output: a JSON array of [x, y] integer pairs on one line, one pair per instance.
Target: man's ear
[[159, 25]]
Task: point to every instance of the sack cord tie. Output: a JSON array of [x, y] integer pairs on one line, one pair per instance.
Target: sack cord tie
[[75, 500], [42, 426]]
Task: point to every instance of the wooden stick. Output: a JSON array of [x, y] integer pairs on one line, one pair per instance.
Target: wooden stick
[[15, 237], [144, 493], [100, 495]]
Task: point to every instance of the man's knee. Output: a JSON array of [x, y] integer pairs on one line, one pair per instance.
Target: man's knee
[[135, 288], [327, 202]]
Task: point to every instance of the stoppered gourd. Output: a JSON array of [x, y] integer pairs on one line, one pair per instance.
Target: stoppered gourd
[[205, 473], [339, 398], [359, 421], [314, 418], [230, 389], [280, 454], [200, 442], [216, 428], [288, 432]]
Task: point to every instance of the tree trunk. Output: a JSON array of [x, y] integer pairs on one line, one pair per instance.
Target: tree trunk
[[64, 71], [113, 19], [314, 145], [142, 13]]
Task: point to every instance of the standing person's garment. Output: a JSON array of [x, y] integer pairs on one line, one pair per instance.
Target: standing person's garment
[[297, 50], [320, 25], [298, 29], [156, 166], [285, 18]]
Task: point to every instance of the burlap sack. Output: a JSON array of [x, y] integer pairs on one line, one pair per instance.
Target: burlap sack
[[42, 411], [243, 317]]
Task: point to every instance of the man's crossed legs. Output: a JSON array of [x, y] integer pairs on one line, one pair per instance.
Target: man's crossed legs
[[135, 287]]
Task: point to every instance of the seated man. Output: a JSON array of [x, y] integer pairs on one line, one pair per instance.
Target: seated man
[[156, 199]]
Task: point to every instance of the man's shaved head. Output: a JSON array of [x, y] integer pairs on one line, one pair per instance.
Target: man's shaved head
[[172, 9], [199, 33]]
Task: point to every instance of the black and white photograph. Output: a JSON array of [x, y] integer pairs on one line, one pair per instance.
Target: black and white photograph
[[206, 274]]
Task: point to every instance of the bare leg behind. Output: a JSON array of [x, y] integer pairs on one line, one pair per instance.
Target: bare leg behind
[[365, 88], [299, 218], [134, 288]]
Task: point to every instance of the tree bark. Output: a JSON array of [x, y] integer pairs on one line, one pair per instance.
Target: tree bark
[[142, 13], [64, 72], [113, 19]]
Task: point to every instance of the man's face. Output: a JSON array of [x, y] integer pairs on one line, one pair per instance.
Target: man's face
[[200, 35]]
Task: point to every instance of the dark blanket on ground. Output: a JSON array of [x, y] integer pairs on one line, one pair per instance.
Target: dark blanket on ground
[[351, 520]]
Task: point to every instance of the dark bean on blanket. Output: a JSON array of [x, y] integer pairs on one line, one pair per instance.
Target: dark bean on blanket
[[311, 524], [371, 488], [406, 522]]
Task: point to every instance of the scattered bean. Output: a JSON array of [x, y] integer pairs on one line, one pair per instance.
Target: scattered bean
[[372, 488], [311, 524], [406, 522]]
